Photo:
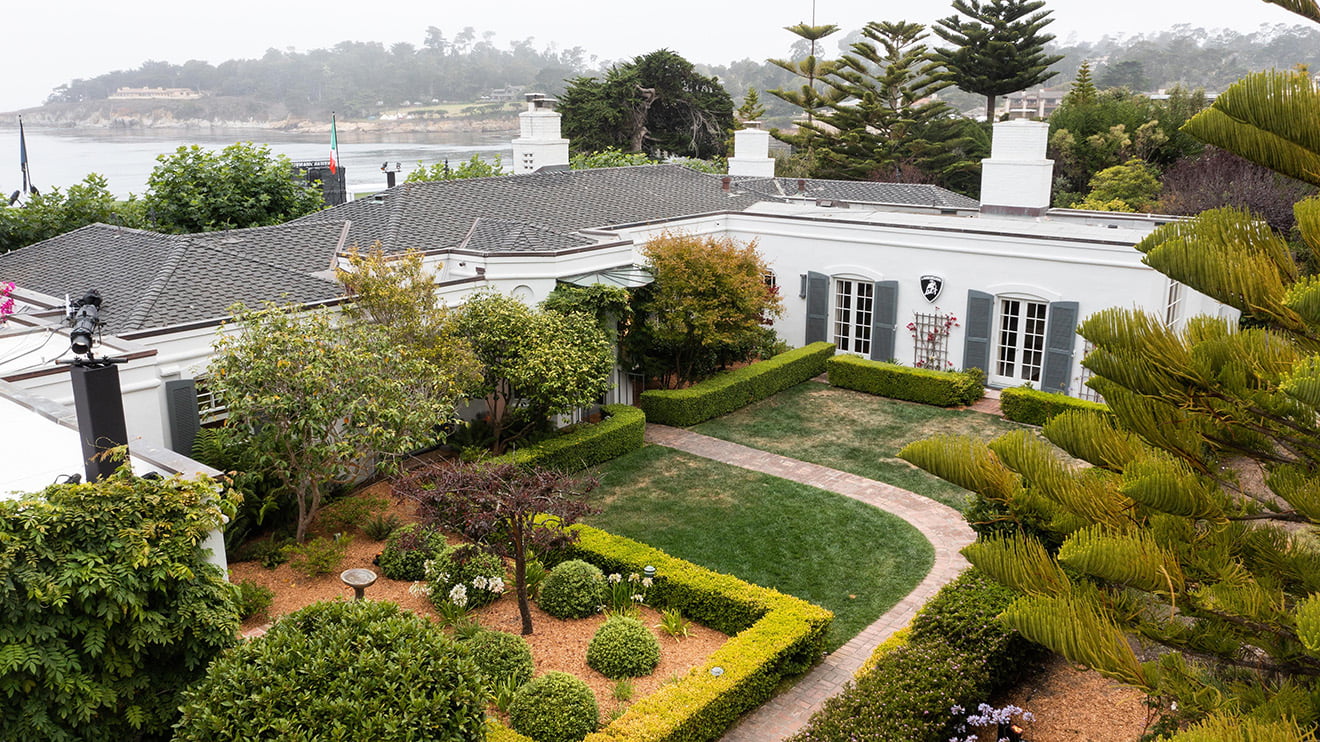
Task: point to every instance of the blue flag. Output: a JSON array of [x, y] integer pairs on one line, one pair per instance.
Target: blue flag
[[22, 156]]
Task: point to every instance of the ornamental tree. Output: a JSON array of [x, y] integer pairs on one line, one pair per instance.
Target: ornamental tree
[[54, 212], [241, 186], [110, 606], [998, 48], [324, 403], [1187, 516], [706, 308], [534, 363], [657, 104], [506, 509]]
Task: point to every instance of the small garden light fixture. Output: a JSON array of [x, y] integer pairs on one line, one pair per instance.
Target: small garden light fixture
[[648, 572], [716, 671], [359, 580]]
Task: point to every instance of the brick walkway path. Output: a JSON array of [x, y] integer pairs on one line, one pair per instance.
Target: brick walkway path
[[941, 525]]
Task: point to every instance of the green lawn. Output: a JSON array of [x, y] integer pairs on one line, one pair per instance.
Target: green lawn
[[819, 546], [853, 432]]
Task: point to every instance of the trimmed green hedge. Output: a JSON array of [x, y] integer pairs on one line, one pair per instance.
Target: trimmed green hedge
[[942, 388], [1034, 407], [735, 389], [774, 636], [954, 653], [620, 432]]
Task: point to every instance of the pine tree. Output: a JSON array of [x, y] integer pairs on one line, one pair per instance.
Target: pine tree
[[1083, 90], [751, 108], [998, 49], [884, 123], [811, 69], [1187, 517]]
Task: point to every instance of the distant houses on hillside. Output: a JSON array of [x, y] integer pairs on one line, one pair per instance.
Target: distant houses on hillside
[[155, 94]]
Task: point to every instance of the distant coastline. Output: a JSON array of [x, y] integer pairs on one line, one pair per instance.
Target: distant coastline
[[236, 114]]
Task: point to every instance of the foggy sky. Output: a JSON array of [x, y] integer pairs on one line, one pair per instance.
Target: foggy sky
[[52, 42]]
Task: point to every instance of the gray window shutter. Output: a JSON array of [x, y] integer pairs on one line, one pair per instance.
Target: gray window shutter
[[884, 320], [977, 330], [1060, 338], [818, 307], [181, 406]]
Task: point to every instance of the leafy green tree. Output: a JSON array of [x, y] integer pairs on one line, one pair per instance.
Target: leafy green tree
[[999, 48], [52, 213], [476, 167], [364, 670], [241, 186], [883, 122], [110, 606], [1132, 186], [608, 157], [507, 509], [1129, 74], [534, 363], [706, 308], [327, 403], [1192, 528], [657, 104]]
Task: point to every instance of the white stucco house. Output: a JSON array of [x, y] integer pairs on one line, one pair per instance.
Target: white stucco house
[[1000, 284]]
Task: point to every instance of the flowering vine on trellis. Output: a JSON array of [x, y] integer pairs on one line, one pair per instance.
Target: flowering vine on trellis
[[930, 336], [6, 300]]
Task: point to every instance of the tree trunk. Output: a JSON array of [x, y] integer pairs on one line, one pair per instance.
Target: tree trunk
[[520, 580], [990, 108]]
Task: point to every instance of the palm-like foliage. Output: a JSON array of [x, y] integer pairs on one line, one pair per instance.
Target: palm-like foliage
[[1188, 514]]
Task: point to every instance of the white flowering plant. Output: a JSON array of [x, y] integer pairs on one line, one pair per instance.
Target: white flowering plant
[[467, 578], [626, 595], [1004, 720]]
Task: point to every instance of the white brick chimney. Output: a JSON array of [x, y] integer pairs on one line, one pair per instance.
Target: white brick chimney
[[1016, 179], [751, 152], [539, 145]]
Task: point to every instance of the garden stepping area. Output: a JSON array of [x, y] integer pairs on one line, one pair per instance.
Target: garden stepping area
[[943, 526]]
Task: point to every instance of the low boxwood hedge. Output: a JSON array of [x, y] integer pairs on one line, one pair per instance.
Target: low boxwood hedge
[[942, 388], [735, 389], [954, 653], [774, 636], [1034, 407], [620, 432]]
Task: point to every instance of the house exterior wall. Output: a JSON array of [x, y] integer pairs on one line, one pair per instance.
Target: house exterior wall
[[1094, 267]]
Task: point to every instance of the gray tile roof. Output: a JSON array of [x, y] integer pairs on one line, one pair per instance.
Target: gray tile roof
[[149, 280], [857, 191], [443, 214]]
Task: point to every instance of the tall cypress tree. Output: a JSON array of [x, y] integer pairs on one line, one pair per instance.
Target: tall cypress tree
[[999, 48]]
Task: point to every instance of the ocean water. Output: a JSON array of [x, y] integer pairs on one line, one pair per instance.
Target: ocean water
[[62, 157]]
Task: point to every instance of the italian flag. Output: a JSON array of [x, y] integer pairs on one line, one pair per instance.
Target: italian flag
[[334, 146]]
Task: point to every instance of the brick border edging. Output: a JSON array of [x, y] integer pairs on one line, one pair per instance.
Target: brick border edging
[[944, 527]]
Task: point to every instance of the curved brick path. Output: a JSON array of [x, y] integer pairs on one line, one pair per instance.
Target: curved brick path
[[943, 526]]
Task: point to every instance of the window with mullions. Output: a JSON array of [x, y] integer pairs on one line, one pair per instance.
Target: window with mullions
[[1021, 345], [854, 301]]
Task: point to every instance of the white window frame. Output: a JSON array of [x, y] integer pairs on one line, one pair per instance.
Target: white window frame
[[852, 311], [1018, 350]]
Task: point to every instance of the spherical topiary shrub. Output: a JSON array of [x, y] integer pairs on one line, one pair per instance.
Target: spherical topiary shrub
[[408, 550], [479, 572], [555, 707], [574, 589], [623, 648], [501, 655], [340, 670]]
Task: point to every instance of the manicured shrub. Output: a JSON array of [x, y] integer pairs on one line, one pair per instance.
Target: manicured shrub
[[735, 389], [270, 552], [555, 707], [1034, 407], [501, 656], [585, 445], [954, 653], [407, 551], [623, 648], [251, 598], [942, 388], [319, 556], [340, 670], [474, 573], [574, 589], [108, 606]]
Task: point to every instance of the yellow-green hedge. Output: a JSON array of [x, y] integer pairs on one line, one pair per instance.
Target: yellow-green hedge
[[735, 389], [943, 388], [620, 432], [1034, 407], [773, 636]]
